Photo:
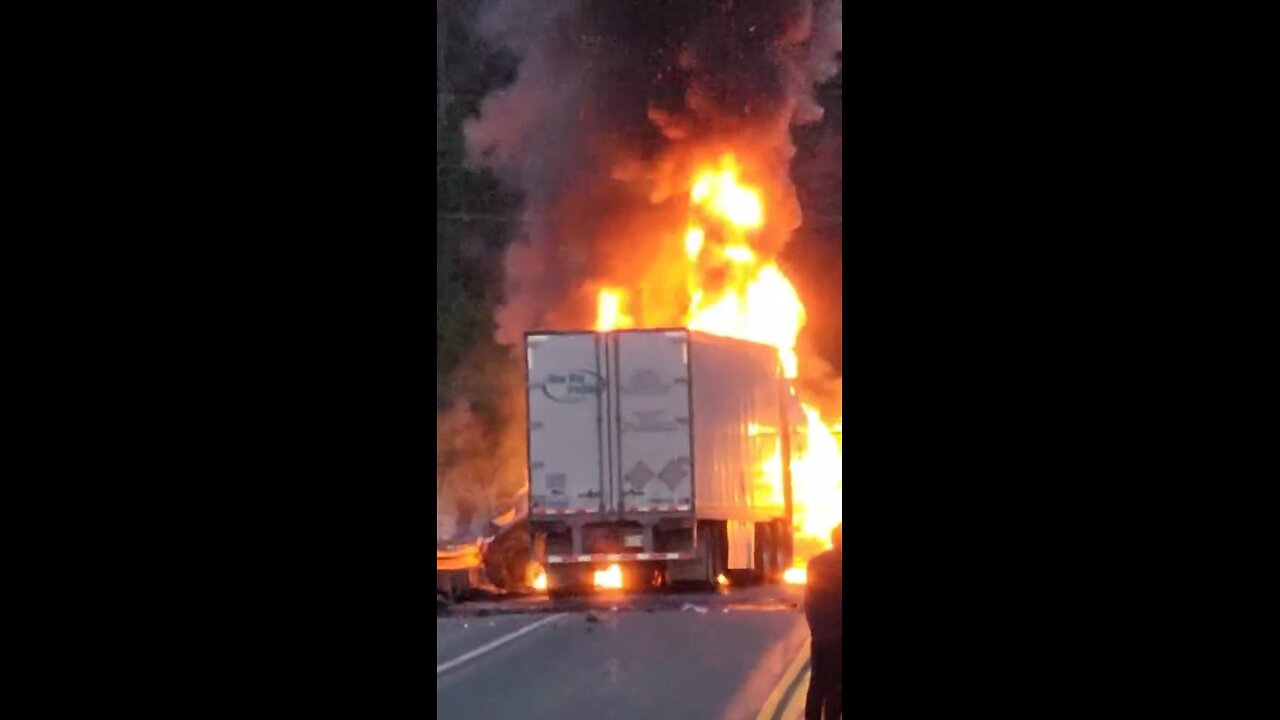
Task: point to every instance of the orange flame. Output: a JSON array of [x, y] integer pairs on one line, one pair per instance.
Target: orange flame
[[536, 576], [610, 313], [736, 291], [818, 481], [609, 578], [720, 193], [767, 310], [739, 254], [693, 240]]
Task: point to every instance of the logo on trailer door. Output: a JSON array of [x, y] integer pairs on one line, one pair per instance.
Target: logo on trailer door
[[572, 387], [646, 382]]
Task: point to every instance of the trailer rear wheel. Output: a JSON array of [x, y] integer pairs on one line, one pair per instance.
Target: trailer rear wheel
[[785, 549], [568, 580], [708, 543], [767, 553], [722, 552], [784, 545], [711, 537]]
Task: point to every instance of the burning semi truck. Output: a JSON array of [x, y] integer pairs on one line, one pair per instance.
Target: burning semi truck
[[658, 456]]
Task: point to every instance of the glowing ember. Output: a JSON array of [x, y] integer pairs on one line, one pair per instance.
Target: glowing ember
[[795, 576], [609, 578], [722, 580]]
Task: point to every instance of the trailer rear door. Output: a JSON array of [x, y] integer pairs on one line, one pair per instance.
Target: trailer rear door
[[654, 470], [565, 392]]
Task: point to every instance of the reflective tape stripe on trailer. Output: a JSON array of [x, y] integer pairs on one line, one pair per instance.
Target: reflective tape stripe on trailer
[[613, 557], [584, 511]]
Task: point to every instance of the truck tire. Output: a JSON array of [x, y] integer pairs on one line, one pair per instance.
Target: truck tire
[[781, 557], [767, 563], [722, 552], [566, 581], [785, 550], [709, 555], [714, 551]]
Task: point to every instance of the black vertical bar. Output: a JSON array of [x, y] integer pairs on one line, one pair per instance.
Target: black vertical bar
[[528, 437], [693, 473], [784, 429], [617, 406], [609, 430], [600, 451]]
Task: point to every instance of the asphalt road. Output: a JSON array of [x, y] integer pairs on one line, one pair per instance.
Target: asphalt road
[[726, 655]]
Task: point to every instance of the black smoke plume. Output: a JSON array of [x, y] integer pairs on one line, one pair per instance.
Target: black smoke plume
[[610, 100]]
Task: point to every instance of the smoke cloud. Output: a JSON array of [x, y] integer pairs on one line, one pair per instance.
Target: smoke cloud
[[613, 102]]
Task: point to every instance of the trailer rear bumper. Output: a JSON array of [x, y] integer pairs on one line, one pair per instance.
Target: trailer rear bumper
[[619, 557], [556, 513]]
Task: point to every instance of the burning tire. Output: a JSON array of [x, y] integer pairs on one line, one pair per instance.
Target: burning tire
[[766, 553]]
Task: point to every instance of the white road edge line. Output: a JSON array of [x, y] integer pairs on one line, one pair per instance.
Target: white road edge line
[[442, 667]]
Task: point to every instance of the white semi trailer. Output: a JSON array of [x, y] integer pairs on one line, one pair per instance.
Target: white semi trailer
[[666, 452]]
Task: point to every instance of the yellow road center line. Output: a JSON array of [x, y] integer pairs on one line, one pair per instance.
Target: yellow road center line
[[770, 707], [795, 708]]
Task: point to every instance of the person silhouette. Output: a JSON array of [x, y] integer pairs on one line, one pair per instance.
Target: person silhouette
[[824, 594]]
